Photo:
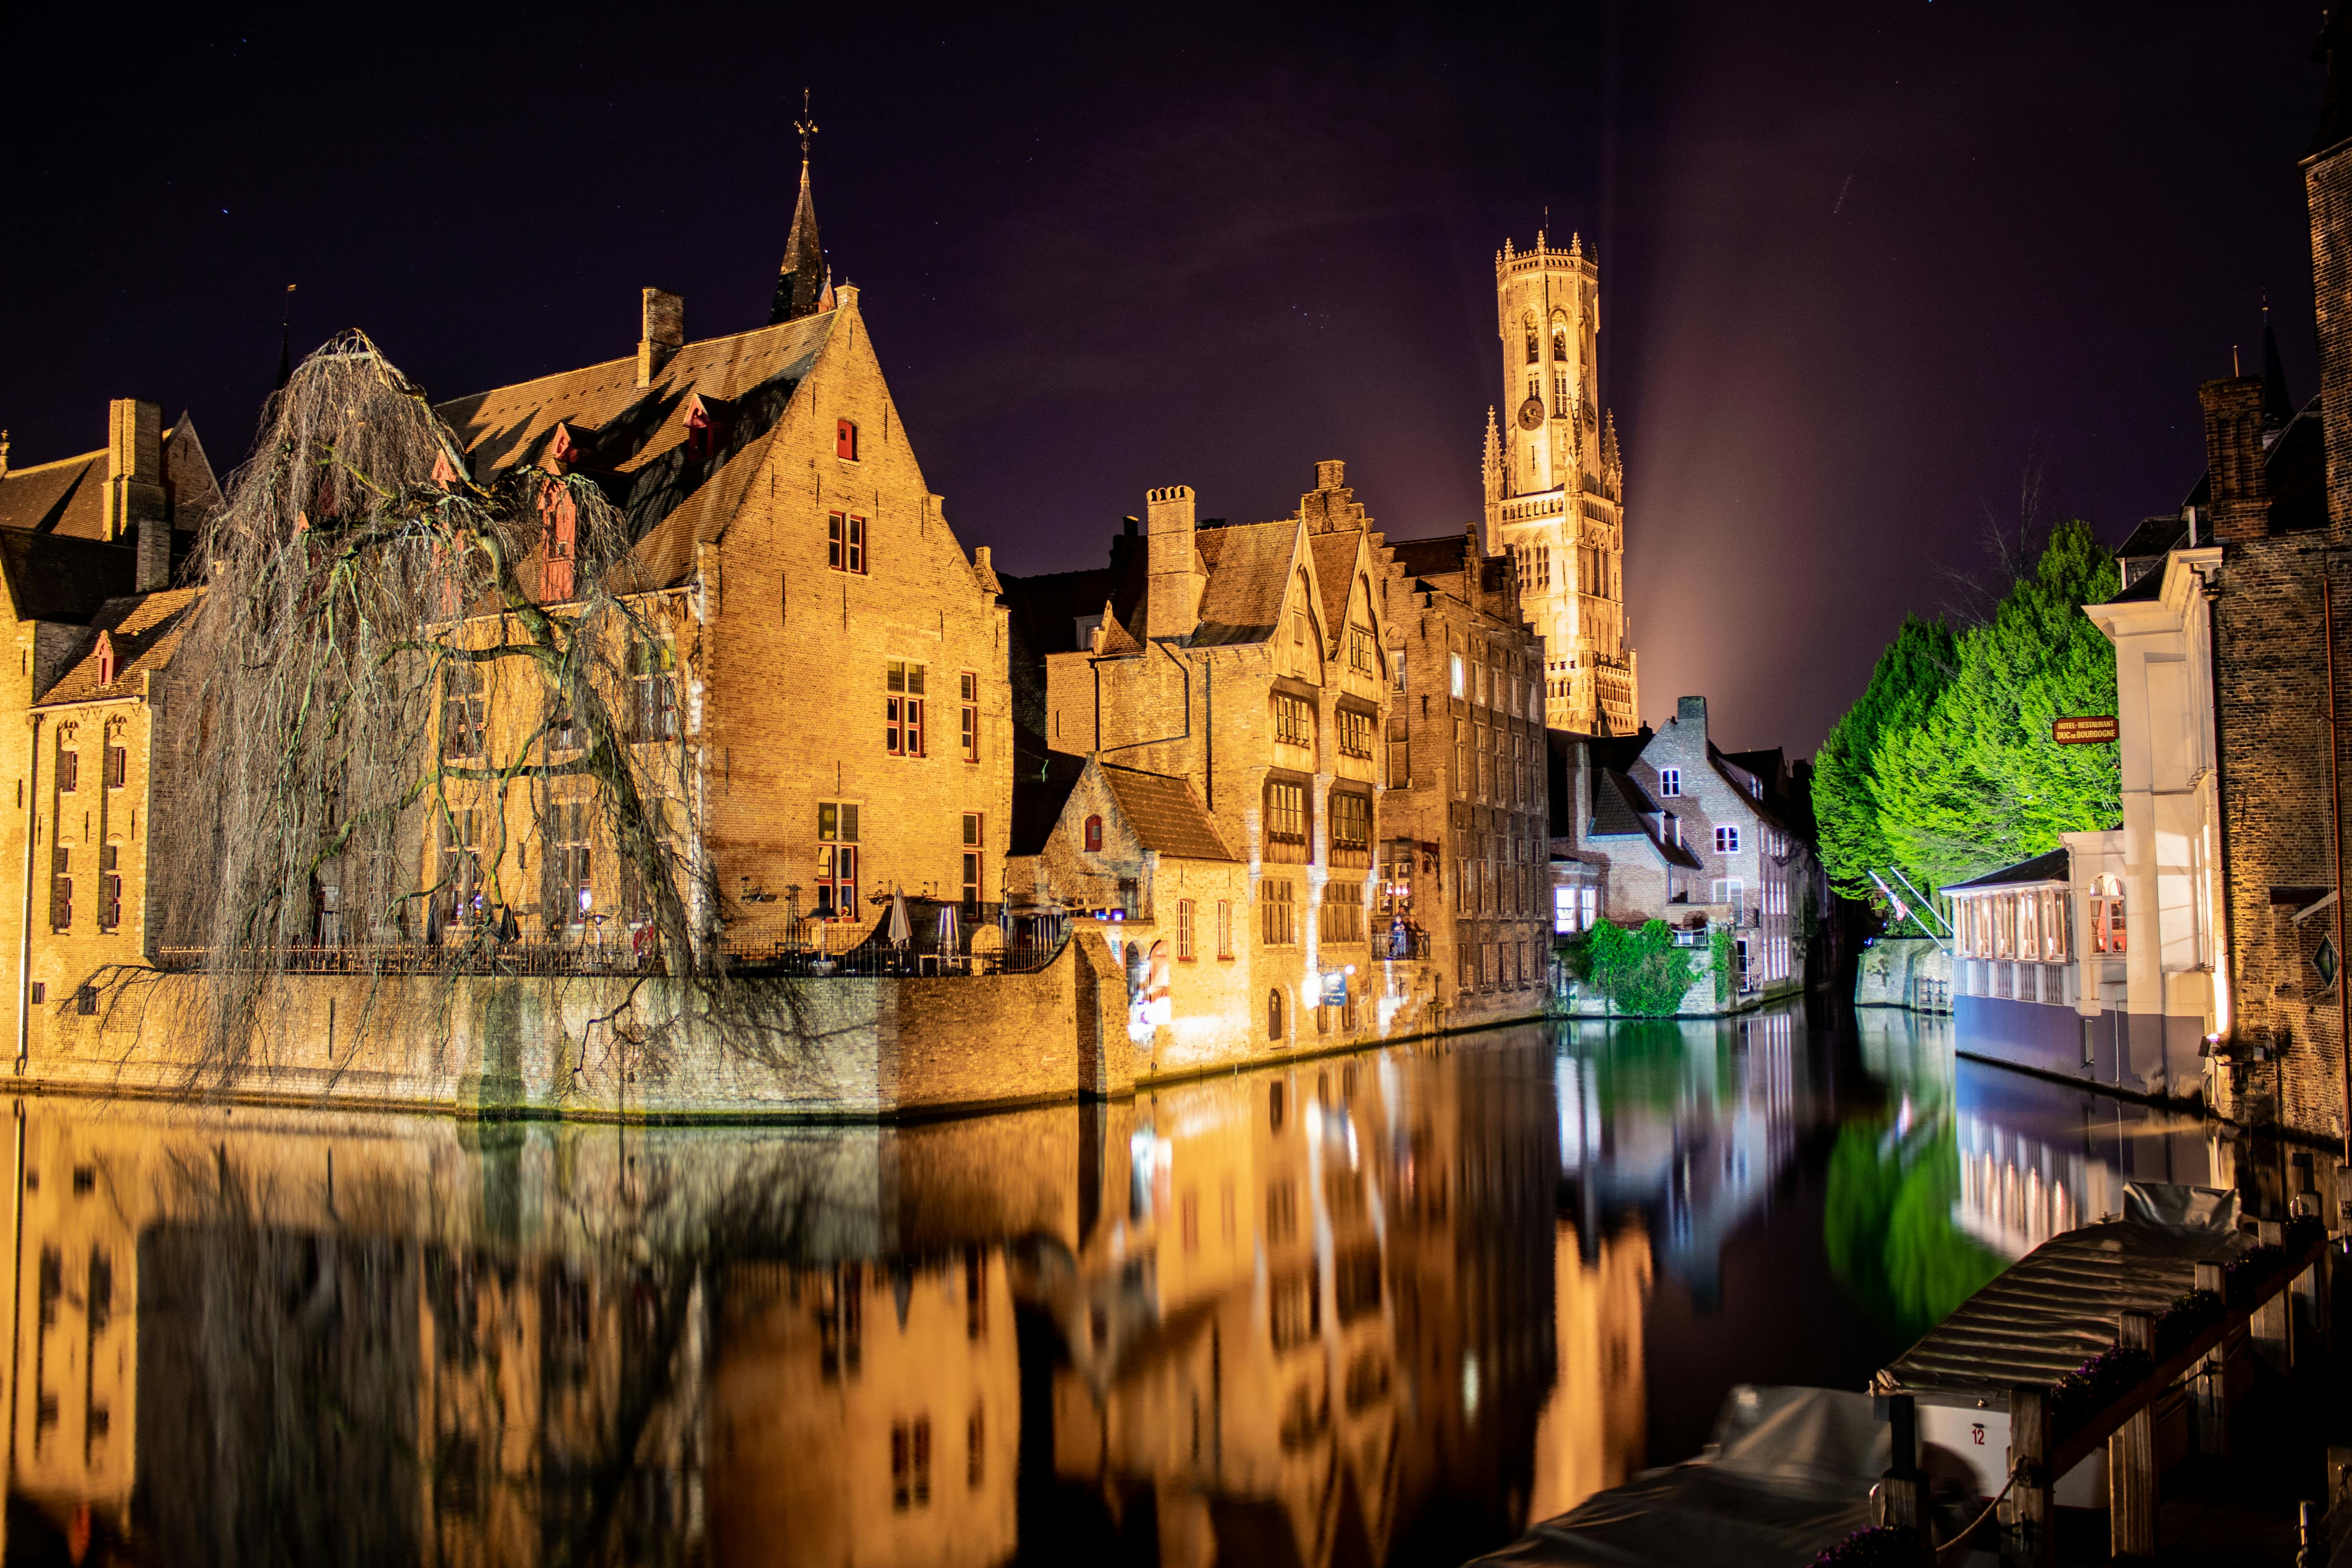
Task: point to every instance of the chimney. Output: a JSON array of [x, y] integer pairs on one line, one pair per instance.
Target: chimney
[[1173, 606], [665, 333], [1691, 710], [2233, 456], [136, 511], [1330, 474]]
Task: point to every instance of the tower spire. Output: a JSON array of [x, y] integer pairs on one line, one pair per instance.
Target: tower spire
[[800, 281], [2278, 407]]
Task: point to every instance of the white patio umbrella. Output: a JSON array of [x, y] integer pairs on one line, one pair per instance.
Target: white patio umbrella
[[947, 928], [902, 930]]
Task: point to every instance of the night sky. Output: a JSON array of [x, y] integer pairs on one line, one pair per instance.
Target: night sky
[[1863, 274]]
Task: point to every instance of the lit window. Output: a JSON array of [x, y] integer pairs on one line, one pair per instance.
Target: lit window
[[902, 708], [1670, 781], [1457, 677], [844, 542], [836, 859], [1727, 841]]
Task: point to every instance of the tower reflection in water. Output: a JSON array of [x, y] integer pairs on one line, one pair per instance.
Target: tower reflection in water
[[1381, 1309]]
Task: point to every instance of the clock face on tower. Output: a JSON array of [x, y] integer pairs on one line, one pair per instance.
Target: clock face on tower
[[1531, 414]]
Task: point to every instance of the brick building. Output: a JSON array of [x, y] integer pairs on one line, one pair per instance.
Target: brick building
[[1245, 659], [2277, 500], [803, 572], [1466, 833], [88, 549], [1554, 486], [1668, 825]]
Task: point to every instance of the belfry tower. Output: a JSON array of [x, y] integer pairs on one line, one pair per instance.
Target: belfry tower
[[1556, 486]]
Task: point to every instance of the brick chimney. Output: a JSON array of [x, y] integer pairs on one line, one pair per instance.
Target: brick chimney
[[1691, 711], [2233, 456], [1173, 606], [665, 333], [136, 511]]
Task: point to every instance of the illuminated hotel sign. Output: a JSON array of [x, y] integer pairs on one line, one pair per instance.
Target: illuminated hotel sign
[[2083, 732]]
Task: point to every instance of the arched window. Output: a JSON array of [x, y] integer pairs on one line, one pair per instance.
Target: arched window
[[1094, 835], [1559, 338], [1532, 349], [1274, 1030]]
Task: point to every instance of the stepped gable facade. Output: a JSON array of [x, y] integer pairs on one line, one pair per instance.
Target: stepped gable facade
[[1245, 661]]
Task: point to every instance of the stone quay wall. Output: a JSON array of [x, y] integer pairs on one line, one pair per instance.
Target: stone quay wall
[[607, 1047]]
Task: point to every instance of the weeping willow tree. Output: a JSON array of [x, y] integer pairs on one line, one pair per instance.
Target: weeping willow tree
[[420, 705]]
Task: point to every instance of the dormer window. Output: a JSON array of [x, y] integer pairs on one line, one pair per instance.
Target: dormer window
[[560, 533], [106, 658], [1094, 835], [702, 430], [845, 440], [1670, 781]]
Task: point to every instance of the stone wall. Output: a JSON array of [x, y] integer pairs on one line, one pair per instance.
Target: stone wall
[[621, 1045], [1885, 976]]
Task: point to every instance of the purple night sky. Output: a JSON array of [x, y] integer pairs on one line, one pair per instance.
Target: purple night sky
[[1861, 274]]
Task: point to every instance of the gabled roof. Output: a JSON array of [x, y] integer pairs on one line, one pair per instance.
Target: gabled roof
[[1619, 808], [67, 497], [145, 630], [632, 440], [1335, 578], [1249, 567], [1165, 814], [2053, 867], [1439, 557]]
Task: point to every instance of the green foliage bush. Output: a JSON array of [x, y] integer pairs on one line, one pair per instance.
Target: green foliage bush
[[1719, 952], [1640, 971], [1945, 766]]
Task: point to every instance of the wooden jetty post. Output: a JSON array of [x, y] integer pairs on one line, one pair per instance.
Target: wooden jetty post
[[1903, 1489], [2269, 1327], [2208, 1392], [2131, 1456], [2028, 1517]]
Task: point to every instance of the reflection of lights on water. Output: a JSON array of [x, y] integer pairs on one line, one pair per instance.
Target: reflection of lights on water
[[1469, 1385], [1903, 1117]]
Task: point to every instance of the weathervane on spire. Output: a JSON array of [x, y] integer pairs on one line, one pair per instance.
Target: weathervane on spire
[[806, 124]]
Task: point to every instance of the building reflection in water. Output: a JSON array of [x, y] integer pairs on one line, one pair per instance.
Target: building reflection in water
[[1379, 1309]]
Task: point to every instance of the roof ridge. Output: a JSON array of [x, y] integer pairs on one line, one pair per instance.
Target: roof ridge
[[16, 471], [629, 360]]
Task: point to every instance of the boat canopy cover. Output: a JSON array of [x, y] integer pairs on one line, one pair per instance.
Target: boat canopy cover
[[1790, 1473]]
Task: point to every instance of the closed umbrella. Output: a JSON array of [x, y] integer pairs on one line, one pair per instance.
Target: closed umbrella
[[902, 929], [947, 929]]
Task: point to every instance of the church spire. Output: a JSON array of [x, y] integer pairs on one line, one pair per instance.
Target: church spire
[[2278, 408], [800, 281]]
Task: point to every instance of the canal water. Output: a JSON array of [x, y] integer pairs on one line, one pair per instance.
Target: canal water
[[1379, 1309]]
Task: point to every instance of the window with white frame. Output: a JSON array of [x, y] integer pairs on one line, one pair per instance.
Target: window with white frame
[[1670, 781], [1727, 891], [1727, 841]]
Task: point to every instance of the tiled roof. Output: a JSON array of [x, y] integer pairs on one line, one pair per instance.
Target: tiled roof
[[146, 629], [2154, 536], [1335, 575], [1165, 814], [52, 577], [1249, 567], [1618, 807], [1439, 557], [66, 498], [2053, 867], [633, 439]]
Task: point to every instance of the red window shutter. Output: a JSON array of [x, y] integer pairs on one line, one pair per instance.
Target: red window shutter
[[845, 440]]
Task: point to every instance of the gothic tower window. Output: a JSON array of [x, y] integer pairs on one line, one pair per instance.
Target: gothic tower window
[[1532, 350], [1559, 338]]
